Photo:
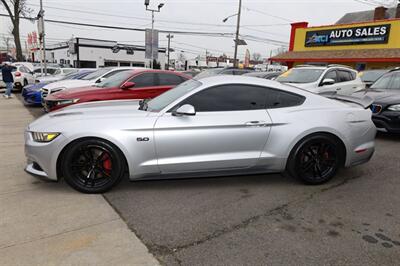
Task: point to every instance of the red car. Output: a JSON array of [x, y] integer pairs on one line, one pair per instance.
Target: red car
[[130, 84]]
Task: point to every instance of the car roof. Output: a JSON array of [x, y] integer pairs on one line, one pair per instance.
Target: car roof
[[324, 67], [230, 79]]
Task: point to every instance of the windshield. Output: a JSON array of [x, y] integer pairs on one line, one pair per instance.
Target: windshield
[[162, 101], [371, 76], [96, 74], [209, 73], [115, 80], [300, 75]]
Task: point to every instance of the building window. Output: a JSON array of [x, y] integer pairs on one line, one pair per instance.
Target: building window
[[124, 64], [110, 64]]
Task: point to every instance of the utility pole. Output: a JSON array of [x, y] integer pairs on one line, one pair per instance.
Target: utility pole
[[152, 36], [235, 63], [43, 65], [169, 36]]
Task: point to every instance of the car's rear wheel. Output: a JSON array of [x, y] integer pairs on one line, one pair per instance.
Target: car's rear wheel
[[316, 159], [93, 166]]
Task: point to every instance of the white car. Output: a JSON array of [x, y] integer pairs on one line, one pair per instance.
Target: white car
[[324, 79], [22, 76], [56, 74], [91, 79]]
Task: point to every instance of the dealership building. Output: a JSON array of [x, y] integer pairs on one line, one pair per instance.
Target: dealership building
[[362, 40], [93, 53]]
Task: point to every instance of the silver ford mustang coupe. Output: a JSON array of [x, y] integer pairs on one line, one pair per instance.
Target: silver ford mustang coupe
[[216, 126]]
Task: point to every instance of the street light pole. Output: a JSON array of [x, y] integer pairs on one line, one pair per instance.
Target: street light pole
[[147, 3], [235, 62]]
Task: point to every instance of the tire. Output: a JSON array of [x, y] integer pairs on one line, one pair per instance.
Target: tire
[[316, 159], [93, 166]]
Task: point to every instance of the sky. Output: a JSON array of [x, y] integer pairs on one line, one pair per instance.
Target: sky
[[265, 23]]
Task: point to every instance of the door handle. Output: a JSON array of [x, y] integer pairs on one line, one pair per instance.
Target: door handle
[[256, 123], [338, 89]]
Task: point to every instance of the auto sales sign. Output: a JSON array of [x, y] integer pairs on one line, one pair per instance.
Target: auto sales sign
[[378, 34]]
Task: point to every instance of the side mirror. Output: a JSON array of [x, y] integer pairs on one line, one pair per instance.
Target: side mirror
[[185, 110], [327, 82], [100, 80], [128, 85]]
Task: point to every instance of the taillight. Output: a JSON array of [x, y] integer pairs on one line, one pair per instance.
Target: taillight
[[17, 74]]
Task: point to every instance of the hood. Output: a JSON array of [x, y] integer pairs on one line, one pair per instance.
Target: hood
[[77, 92], [381, 96], [35, 87], [49, 79], [105, 110], [68, 84]]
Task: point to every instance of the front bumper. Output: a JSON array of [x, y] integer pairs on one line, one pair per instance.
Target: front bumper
[[51, 105], [387, 121], [42, 157], [32, 97]]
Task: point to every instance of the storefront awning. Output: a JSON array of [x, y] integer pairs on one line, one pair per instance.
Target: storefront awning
[[335, 56]]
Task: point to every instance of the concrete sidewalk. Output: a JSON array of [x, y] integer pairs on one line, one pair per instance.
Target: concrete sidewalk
[[45, 223]]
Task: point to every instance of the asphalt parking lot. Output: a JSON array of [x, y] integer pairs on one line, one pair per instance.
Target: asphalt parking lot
[[270, 219]]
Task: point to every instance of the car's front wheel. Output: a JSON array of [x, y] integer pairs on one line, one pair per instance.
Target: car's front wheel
[[316, 159], [93, 166]]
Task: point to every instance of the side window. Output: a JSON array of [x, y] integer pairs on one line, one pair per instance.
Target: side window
[[383, 82], [331, 75], [145, 80], [236, 97], [281, 99], [227, 72], [344, 76], [113, 73], [169, 79], [395, 84]]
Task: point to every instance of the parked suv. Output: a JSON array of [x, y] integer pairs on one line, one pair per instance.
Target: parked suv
[[22, 76], [323, 79]]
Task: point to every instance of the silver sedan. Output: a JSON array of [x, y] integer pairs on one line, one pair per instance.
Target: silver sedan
[[216, 126]]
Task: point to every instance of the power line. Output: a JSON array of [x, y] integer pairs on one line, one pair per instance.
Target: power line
[[134, 17], [267, 14]]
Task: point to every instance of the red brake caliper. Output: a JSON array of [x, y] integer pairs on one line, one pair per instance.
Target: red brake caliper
[[107, 162]]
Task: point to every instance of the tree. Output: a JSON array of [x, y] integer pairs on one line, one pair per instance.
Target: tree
[[7, 42], [16, 9], [256, 56]]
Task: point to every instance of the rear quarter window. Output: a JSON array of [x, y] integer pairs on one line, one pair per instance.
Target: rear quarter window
[[282, 99]]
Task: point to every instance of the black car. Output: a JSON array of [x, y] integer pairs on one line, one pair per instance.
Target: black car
[[264, 75], [370, 76], [386, 107]]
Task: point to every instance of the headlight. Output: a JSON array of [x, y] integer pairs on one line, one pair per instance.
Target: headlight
[[395, 107], [71, 101], [44, 137]]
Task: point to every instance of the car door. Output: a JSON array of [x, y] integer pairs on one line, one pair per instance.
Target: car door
[[228, 131], [146, 86], [347, 82], [330, 74], [168, 80], [27, 75]]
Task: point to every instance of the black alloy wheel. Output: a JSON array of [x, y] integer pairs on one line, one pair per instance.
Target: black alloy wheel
[[93, 166], [316, 159]]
